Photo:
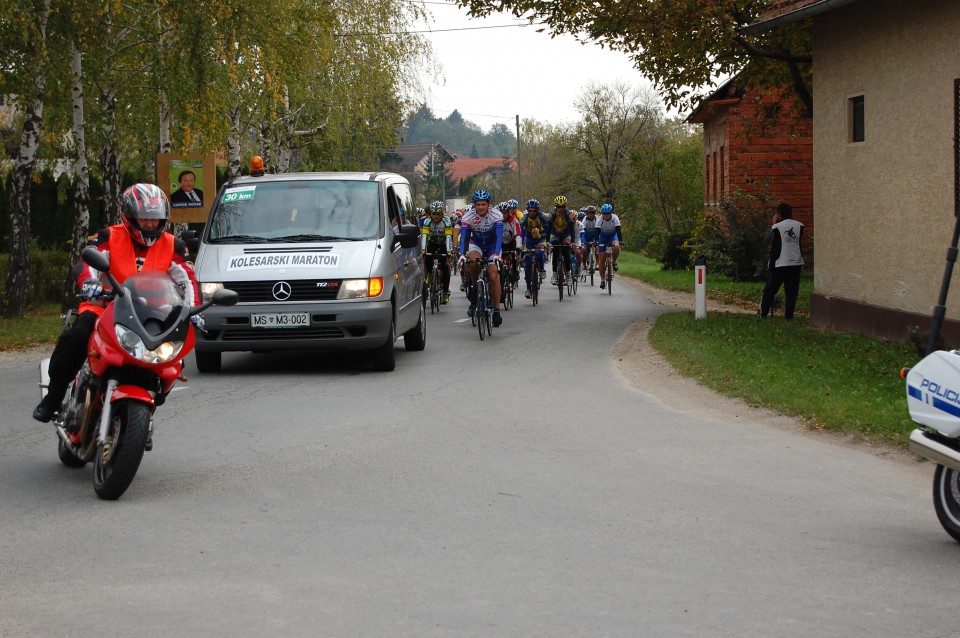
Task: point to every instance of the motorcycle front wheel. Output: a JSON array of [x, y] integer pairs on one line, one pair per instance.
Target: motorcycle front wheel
[[118, 459], [946, 499]]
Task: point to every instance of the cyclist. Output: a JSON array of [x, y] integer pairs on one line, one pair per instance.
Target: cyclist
[[560, 232], [436, 238], [533, 231], [511, 240], [610, 234], [588, 232], [481, 236]]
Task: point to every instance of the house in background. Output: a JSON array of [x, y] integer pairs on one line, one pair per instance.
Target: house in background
[[424, 159], [485, 170], [757, 142], [885, 162]]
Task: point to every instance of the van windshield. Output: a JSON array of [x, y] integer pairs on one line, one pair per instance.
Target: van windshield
[[297, 210]]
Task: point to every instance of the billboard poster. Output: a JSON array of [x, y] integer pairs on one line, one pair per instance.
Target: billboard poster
[[190, 182]]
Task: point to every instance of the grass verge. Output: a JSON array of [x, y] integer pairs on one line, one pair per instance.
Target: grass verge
[[719, 288], [38, 325], [835, 381]]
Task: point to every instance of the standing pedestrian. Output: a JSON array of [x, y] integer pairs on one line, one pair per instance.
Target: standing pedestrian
[[786, 261]]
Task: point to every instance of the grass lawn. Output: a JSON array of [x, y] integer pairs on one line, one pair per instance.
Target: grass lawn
[[719, 288], [38, 325], [841, 382]]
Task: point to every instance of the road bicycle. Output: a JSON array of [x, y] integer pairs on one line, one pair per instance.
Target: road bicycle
[[562, 266], [590, 264], [608, 276], [574, 274], [483, 307], [536, 277], [435, 282], [508, 283]]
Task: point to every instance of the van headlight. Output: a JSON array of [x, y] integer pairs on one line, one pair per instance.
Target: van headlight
[[208, 289], [361, 288], [133, 344]]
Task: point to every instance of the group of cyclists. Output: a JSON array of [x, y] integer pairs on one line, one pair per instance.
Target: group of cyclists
[[487, 235]]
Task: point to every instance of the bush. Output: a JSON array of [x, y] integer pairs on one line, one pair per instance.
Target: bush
[[670, 250], [48, 274], [733, 238]]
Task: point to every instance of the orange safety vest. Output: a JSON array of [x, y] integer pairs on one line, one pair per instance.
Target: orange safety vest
[[123, 259]]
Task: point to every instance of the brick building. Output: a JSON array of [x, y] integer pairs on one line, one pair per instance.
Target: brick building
[[755, 142]]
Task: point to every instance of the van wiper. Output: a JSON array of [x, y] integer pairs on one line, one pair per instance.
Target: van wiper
[[239, 239], [308, 237]]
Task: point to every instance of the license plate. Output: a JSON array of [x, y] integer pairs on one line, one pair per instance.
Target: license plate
[[280, 320]]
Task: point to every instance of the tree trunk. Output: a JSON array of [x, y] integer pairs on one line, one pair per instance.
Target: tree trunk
[[233, 145], [81, 218], [110, 157], [18, 275]]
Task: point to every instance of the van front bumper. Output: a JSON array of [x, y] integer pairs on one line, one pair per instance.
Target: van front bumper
[[358, 325]]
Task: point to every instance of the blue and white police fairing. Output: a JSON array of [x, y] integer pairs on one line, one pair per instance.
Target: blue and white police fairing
[[933, 392]]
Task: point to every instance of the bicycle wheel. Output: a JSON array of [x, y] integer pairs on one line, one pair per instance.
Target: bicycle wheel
[[575, 277], [592, 266], [560, 282], [480, 308], [609, 275]]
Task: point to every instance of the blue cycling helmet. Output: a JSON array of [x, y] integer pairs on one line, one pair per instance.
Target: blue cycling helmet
[[502, 207], [512, 203], [533, 203], [481, 194], [606, 209]]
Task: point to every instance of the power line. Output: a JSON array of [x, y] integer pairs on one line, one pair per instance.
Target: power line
[[499, 26]]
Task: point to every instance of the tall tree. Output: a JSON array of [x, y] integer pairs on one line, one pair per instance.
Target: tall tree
[[24, 22], [615, 119], [682, 45]]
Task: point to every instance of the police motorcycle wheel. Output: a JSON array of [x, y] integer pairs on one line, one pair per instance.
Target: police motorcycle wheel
[[946, 499]]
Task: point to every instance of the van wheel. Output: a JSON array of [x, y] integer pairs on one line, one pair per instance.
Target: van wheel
[[207, 361], [415, 339], [384, 358]]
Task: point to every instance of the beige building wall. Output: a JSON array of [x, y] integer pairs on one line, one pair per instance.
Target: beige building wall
[[885, 206]]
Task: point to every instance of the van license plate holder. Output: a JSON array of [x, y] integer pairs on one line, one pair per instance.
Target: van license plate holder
[[280, 320]]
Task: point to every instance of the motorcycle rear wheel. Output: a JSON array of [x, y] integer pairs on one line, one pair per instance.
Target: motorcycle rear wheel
[[117, 461], [946, 499]]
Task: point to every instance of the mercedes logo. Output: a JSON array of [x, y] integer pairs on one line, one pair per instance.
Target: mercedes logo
[[282, 291]]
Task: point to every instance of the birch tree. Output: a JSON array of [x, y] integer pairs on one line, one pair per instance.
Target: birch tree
[[24, 22]]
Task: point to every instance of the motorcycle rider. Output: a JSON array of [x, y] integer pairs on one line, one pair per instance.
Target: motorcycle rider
[[139, 243]]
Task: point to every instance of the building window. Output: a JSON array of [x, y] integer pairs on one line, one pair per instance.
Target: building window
[[855, 119]]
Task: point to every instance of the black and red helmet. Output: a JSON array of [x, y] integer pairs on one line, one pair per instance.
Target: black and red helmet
[[144, 201]]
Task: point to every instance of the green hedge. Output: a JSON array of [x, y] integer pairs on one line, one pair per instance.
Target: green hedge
[[48, 274]]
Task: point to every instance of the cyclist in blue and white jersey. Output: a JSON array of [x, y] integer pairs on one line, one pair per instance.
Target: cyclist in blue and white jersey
[[610, 234], [533, 231], [588, 232], [481, 236]]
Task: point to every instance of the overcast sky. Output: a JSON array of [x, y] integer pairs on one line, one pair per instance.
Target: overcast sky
[[493, 75]]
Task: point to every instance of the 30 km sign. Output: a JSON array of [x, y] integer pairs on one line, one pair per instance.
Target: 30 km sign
[[243, 194]]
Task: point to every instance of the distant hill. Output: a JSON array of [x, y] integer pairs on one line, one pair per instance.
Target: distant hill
[[459, 136]]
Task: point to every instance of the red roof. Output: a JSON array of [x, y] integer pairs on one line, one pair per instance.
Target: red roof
[[464, 167]]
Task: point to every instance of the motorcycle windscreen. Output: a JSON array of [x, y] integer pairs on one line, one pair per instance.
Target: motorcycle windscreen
[[155, 300]]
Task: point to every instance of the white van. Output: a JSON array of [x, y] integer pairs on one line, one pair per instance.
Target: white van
[[320, 261]]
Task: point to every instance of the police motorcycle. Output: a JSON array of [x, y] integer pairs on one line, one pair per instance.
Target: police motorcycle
[[134, 358], [933, 399]]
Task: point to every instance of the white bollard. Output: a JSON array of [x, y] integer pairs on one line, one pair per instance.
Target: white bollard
[[700, 287]]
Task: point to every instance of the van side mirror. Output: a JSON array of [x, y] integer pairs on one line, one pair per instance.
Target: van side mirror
[[192, 240], [408, 236]]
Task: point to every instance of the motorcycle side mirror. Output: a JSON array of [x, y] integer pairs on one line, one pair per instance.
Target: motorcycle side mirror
[[101, 261], [223, 297]]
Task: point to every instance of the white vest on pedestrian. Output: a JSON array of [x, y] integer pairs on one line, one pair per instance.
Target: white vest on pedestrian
[[790, 254]]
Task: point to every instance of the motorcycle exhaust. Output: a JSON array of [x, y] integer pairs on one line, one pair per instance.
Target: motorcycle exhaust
[[925, 444]]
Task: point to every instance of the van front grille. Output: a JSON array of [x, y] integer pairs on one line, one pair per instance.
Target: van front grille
[[277, 334], [300, 290]]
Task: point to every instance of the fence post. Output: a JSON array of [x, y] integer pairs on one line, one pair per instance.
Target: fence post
[[700, 286]]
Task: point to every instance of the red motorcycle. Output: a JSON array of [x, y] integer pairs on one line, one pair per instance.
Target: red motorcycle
[[134, 357]]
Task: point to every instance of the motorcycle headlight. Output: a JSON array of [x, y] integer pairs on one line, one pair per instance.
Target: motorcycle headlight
[[133, 344], [208, 289]]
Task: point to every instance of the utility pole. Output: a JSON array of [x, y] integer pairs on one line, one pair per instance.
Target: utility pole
[[519, 167]]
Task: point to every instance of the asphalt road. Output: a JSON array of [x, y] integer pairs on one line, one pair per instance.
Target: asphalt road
[[513, 487]]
